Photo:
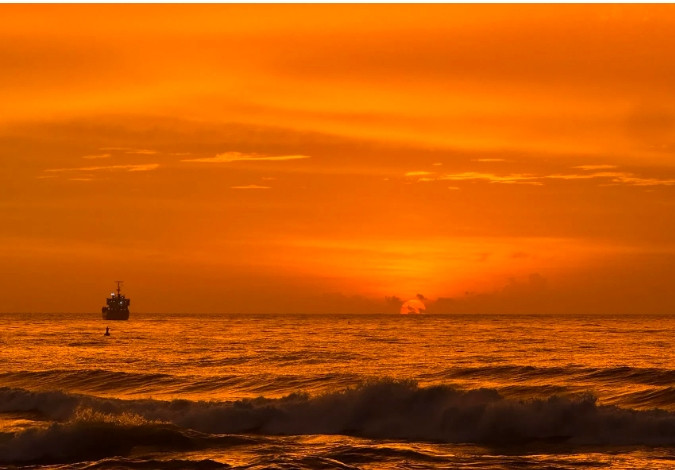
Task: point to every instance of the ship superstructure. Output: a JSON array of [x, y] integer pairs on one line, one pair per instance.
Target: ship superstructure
[[117, 305]]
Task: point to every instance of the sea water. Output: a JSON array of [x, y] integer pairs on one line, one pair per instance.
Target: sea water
[[337, 391]]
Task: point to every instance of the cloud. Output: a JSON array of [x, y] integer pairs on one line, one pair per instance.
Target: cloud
[[392, 304], [331, 302], [531, 294], [129, 168], [595, 167], [513, 178], [96, 157], [250, 186], [489, 160], [584, 176], [130, 150], [637, 181], [612, 177], [229, 157], [418, 173], [142, 151], [617, 178]]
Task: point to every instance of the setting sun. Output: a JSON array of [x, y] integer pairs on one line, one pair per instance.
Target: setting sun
[[413, 306]]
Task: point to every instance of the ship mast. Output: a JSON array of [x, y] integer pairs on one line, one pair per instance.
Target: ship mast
[[118, 287]]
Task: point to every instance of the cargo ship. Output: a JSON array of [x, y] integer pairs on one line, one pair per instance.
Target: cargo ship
[[118, 305]]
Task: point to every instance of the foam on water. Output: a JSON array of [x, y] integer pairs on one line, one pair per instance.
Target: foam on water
[[92, 428]]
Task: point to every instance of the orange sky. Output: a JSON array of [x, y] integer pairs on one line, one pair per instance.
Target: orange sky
[[323, 158]]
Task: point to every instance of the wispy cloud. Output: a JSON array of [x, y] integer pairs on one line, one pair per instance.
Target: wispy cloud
[[130, 150], [610, 177], [585, 176], [96, 157], [513, 178], [489, 160], [130, 168], [418, 173], [229, 157], [617, 178], [595, 167], [637, 181], [250, 186]]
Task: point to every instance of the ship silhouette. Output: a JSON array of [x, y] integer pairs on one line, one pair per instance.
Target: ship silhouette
[[118, 306]]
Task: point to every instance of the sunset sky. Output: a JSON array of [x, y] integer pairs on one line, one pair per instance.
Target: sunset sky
[[323, 158]]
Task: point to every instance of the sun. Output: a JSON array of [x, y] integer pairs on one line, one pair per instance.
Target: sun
[[413, 306]]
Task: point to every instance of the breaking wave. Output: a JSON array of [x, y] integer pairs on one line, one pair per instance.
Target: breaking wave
[[386, 409]]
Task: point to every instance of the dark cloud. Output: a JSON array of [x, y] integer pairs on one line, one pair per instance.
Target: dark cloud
[[392, 304], [527, 295]]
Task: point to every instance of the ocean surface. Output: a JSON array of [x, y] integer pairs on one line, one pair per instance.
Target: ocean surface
[[337, 391]]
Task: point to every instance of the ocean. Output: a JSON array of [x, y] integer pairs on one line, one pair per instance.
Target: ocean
[[337, 392]]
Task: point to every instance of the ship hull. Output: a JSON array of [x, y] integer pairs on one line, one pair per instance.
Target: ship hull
[[116, 315]]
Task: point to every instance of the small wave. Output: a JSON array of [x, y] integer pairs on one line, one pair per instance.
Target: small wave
[[651, 398], [109, 383], [513, 372], [312, 356], [141, 464], [354, 454], [86, 344], [624, 374], [87, 380], [647, 376]]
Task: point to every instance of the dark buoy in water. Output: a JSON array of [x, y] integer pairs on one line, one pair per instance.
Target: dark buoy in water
[[107, 331]]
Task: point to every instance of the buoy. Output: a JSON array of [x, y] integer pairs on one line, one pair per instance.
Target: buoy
[[107, 331]]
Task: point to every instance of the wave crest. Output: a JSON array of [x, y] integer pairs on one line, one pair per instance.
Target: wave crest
[[385, 409]]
